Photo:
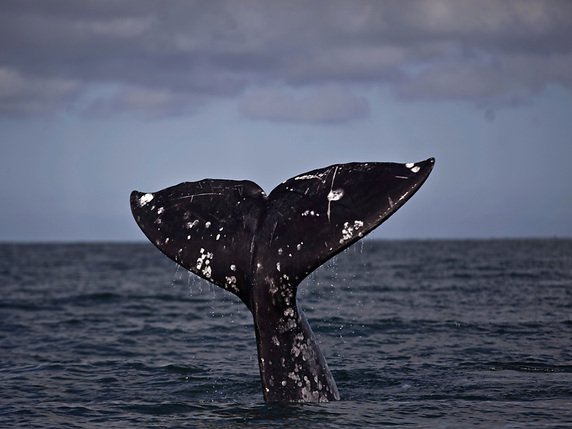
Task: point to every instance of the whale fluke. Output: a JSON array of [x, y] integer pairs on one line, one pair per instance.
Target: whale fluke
[[261, 247]]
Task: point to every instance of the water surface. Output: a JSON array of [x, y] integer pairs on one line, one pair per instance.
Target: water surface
[[444, 334]]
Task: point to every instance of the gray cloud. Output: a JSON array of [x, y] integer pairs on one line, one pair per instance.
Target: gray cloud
[[22, 94], [323, 105], [149, 103], [171, 58]]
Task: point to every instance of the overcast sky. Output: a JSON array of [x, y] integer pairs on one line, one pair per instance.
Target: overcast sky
[[101, 97]]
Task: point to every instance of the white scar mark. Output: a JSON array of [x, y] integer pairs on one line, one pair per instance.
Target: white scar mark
[[308, 176], [319, 176], [204, 194], [252, 245], [331, 193], [273, 231]]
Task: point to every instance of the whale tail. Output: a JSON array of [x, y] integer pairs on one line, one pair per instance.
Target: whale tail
[[261, 247]]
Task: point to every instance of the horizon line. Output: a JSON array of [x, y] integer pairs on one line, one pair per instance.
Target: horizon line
[[142, 241]]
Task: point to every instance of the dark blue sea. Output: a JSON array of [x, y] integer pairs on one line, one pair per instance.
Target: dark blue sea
[[440, 334]]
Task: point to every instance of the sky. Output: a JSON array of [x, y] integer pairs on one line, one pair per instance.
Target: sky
[[100, 97]]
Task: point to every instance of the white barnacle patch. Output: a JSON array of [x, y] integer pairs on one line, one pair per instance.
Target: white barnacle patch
[[349, 229], [347, 232], [273, 287], [204, 263], [280, 251], [190, 225], [207, 271], [299, 246], [145, 199], [309, 395], [217, 237], [160, 210], [335, 194], [414, 168], [310, 213], [288, 323], [207, 224], [232, 267], [278, 266], [231, 283], [300, 348]]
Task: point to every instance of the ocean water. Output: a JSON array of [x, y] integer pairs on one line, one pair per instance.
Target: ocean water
[[441, 334]]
